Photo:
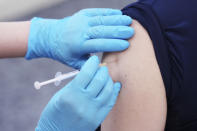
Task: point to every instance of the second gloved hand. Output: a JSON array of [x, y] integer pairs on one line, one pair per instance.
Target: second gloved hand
[[71, 40], [84, 103]]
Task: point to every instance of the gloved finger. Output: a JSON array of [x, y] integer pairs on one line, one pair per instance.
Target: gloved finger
[[98, 82], [111, 20], [116, 91], [112, 32], [80, 62], [100, 12], [87, 73], [107, 92], [104, 45]]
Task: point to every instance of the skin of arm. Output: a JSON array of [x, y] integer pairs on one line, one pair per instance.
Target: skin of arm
[[141, 105], [13, 39]]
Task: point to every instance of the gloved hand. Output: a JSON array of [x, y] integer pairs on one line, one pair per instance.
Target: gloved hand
[[70, 40], [84, 103]]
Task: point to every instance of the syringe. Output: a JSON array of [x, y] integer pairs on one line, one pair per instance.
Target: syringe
[[58, 78]]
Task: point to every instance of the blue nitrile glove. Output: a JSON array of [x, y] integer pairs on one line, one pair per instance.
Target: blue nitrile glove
[[84, 103], [70, 40]]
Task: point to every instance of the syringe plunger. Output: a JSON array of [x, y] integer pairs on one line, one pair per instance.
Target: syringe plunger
[[57, 80]]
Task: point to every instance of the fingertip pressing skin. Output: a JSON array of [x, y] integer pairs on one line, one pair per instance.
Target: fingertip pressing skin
[[117, 86], [124, 45], [128, 20], [124, 32]]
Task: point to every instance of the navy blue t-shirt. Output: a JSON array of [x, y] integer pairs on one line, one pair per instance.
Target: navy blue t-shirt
[[172, 27]]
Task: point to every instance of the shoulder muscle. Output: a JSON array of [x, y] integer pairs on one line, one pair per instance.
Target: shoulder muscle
[[141, 105]]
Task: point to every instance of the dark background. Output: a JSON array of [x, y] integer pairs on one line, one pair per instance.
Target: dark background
[[20, 103]]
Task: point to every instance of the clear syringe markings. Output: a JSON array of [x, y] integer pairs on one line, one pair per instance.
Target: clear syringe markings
[[58, 78]]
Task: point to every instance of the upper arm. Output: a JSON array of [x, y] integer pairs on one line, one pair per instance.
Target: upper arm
[[141, 105]]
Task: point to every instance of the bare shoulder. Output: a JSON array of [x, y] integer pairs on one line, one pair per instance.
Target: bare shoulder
[[142, 101]]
